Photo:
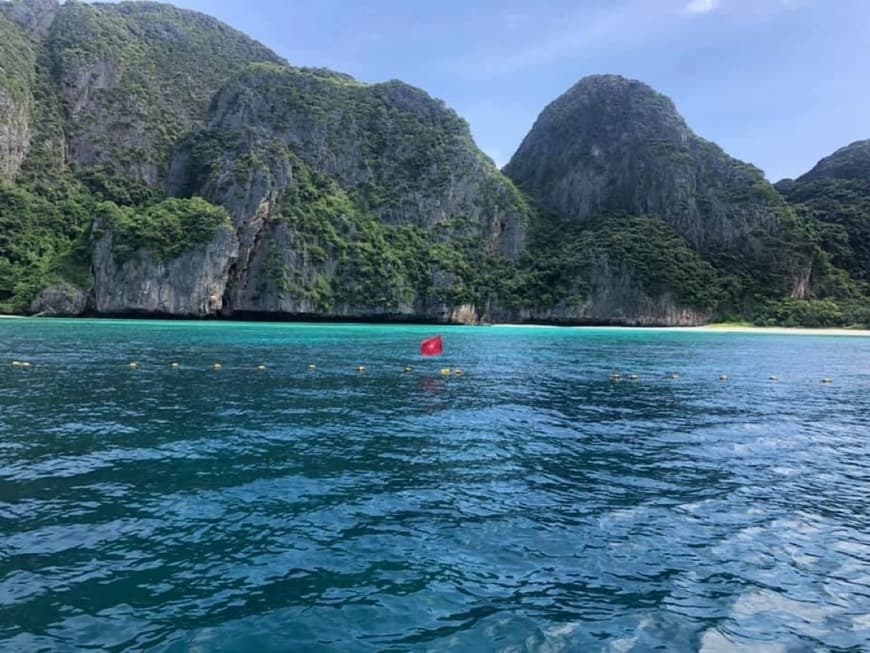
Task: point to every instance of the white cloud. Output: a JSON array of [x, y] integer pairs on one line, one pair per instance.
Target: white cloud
[[701, 6]]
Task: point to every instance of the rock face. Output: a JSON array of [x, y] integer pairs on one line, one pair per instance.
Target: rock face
[[61, 300], [848, 163], [14, 134], [34, 16], [16, 87], [136, 76], [836, 193], [191, 285], [335, 169], [611, 145], [614, 144], [340, 199]]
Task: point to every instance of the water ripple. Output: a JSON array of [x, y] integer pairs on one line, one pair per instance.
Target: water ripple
[[531, 504]]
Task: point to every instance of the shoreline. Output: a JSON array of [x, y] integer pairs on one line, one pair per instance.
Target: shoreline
[[775, 330], [716, 328], [706, 328]]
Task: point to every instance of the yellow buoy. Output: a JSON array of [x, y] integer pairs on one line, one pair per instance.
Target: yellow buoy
[[723, 377], [826, 380], [261, 367], [16, 363], [217, 366], [133, 365], [445, 371]]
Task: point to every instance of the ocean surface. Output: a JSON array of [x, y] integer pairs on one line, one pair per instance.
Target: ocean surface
[[530, 504]]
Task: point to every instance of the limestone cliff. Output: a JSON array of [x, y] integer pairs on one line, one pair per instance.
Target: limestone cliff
[[611, 145], [155, 161], [189, 285], [340, 192], [133, 77], [16, 97], [33, 16], [836, 193], [614, 144]]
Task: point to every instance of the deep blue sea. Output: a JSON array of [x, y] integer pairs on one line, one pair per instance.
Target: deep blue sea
[[529, 504]]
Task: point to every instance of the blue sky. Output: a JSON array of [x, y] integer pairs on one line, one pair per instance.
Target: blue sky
[[778, 83]]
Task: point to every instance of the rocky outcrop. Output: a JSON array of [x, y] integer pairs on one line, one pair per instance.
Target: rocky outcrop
[[410, 159], [341, 199], [836, 193], [615, 298], [848, 163], [14, 134], [34, 16], [190, 285], [614, 144], [61, 300], [17, 62], [334, 167], [135, 77]]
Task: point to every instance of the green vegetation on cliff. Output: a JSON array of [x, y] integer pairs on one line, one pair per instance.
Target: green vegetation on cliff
[[167, 229], [17, 60], [385, 266], [135, 76], [833, 199], [167, 128], [43, 240], [610, 144]]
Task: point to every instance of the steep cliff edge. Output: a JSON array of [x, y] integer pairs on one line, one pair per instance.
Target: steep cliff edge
[[836, 193], [134, 77], [613, 146], [349, 199], [16, 97], [155, 161], [834, 199]]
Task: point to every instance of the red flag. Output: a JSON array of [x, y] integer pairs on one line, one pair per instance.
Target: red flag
[[432, 347]]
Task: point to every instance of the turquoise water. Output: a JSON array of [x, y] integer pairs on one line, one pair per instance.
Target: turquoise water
[[530, 504]]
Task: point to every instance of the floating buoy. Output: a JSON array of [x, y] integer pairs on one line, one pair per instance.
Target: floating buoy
[[633, 377], [616, 376], [25, 364], [361, 369], [174, 365], [445, 371], [217, 366], [409, 369], [16, 363], [312, 367], [133, 365], [826, 380], [673, 376], [774, 377], [261, 367], [457, 372], [723, 377]]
